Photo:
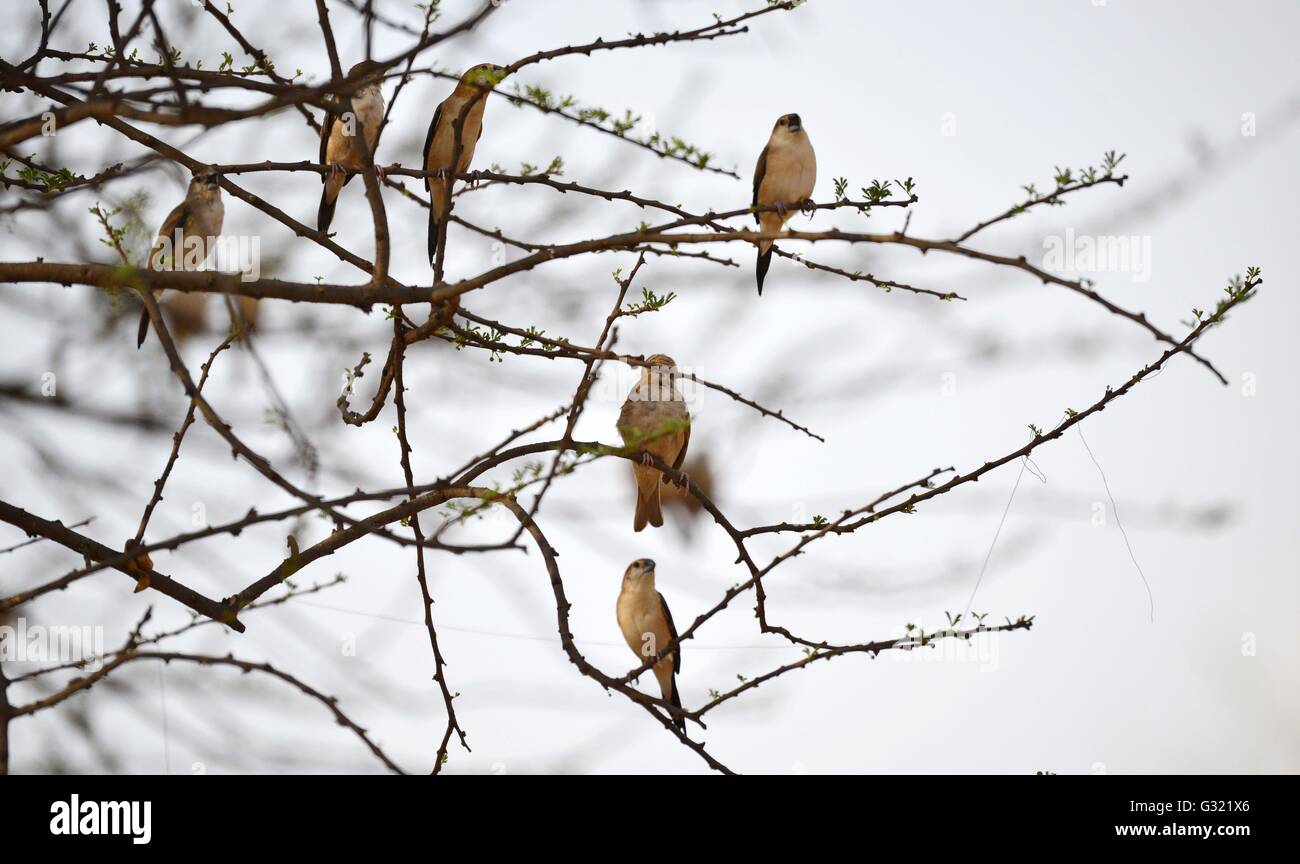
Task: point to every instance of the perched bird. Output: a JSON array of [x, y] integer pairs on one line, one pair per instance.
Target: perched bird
[[340, 146], [188, 234], [654, 419], [784, 177], [464, 106], [648, 627]]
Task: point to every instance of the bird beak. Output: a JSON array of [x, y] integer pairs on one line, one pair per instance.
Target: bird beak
[[648, 565], [795, 123]]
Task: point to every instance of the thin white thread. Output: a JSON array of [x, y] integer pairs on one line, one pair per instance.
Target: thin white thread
[[1151, 600], [1024, 462], [526, 636]]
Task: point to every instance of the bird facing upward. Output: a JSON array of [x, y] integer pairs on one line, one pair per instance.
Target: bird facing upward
[[784, 178], [464, 106], [340, 145], [648, 627], [654, 419], [187, 235]]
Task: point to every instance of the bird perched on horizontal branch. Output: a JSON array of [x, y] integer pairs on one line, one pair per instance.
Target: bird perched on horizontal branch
[[453, 133], [783, 178], [341, 134], [188, 234], [648, 627], [654, 420]]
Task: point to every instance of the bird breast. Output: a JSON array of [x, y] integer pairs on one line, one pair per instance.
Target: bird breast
[[636, 614], [791, 171], [207, 218], [343, 148]]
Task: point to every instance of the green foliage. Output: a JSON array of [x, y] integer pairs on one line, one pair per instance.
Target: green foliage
[[625, 125], [650, 302], [53, 181]]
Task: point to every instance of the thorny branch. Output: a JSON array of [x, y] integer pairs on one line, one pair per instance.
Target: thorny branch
[[85, 90]]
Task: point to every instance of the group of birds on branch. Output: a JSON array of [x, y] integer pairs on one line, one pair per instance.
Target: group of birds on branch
[[654, 421]]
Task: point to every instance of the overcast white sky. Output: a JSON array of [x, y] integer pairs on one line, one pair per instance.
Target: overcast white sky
[[1204, 475]]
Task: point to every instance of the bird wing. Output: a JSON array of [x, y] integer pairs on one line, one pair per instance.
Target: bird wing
[[759, 170], [326, 127], [625, 422], [681, 454], [178, 218], [672, 634], [428, 143]]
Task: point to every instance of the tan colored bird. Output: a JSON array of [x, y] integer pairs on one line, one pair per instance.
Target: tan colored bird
[[340, 145], [648, 627], [784, 177], [464, 107], [654, 419], [188, 234]]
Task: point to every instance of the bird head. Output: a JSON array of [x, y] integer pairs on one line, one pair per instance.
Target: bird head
[[485, 76], [363, 69], [788, 123], [639, 571], [206, 183], [660, 370]]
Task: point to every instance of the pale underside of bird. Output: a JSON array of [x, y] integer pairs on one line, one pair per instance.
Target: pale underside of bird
[[648, 627], [188, 234], [654, 419], [341, 137], [784, 178]]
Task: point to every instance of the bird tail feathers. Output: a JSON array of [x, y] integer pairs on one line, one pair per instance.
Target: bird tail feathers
[[143, 331], [676, 700], [325, 213], [433, 236], [647, 507], [764, 261]]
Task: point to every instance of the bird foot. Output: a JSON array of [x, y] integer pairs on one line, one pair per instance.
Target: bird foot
[[336, 169], [808, 207], [781, 209], [682, 480], [647, 460], [380, 173]]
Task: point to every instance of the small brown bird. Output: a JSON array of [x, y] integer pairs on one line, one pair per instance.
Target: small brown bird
[[340, 146], [654, 419], [784, 177], [464, 107], [648, 627], [188, 234]]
